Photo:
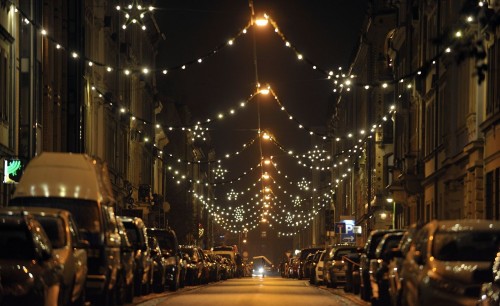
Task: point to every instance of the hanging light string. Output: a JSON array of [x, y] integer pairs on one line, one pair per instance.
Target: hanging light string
[[458, 41], [226, 156]]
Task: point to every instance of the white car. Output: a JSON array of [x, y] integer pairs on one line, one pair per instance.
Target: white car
[[317, 275], [445, 259]]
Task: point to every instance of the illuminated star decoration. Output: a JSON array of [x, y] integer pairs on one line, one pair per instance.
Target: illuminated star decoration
[[297, 201], [134, 13], [219, 172], [232, 195], [304, 184]]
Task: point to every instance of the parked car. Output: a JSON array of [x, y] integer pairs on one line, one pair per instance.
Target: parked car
[[67, 246], [126, 285], [229, 253], [81, 185], [225, 266], [308, 263], [368, 253], [379, 268], [302, 260], [446, 261], [197, 270], [215, 265], [137, 235], [30, 272], [395, 264], [167, 239], [159, 266], [293, 270], [335, 266], [317, 268], [490, 289]]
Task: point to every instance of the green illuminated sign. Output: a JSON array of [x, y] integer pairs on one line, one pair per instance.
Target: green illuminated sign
[[12, 171]]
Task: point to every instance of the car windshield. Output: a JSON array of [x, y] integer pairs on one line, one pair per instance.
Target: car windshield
[[165, 240], [465, 246], [15, 242], [85, 212], [54, 227]]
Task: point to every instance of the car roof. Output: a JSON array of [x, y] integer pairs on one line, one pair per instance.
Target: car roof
[[40, 211], [465, 225]]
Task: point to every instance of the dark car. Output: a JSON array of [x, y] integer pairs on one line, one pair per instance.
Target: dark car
[[335, 265], [97, 225], [137, 235], [159, 266], [302, 260], [126, 286], [167, 239], [396, 262], [379, 268], [490, 289], [197, 269], [367, 254], [67, 246], [30, 273], [308, 263], [214, 265]]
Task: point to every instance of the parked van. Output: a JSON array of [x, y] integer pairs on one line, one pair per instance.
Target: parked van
[[79, 184]]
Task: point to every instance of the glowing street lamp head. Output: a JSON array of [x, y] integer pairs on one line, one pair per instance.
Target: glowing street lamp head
[[264, 91], [262, 21]]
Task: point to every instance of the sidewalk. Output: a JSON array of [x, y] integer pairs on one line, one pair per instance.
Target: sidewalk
[[355, 298]]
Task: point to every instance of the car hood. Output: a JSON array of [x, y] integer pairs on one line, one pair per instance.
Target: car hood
[[18, 276], [462, 271]]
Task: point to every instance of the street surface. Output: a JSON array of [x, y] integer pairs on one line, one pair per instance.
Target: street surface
[[253, 291]]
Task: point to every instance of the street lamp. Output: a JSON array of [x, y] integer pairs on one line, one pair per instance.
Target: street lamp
[[391, 201], [262, 21]]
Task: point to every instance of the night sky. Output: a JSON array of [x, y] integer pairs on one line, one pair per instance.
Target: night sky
[[323, 31]]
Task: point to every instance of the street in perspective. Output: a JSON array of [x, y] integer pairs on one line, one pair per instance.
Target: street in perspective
[[255, 291], [249, 152]]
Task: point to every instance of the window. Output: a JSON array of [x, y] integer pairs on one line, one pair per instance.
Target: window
[[493, 95], [492, 195], [3, 85], [429, 127]]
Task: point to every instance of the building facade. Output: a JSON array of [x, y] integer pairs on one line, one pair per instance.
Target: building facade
[[426, 75]]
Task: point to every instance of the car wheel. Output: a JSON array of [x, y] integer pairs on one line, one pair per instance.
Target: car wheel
[[120, 290], [80, 301], [145, 288], [175, 283], [129, 294]]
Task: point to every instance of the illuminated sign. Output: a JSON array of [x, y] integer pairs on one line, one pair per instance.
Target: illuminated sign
[[12, 171]]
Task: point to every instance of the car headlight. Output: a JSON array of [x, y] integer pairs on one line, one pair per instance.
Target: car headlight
[[171, 261], [261, 270]]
